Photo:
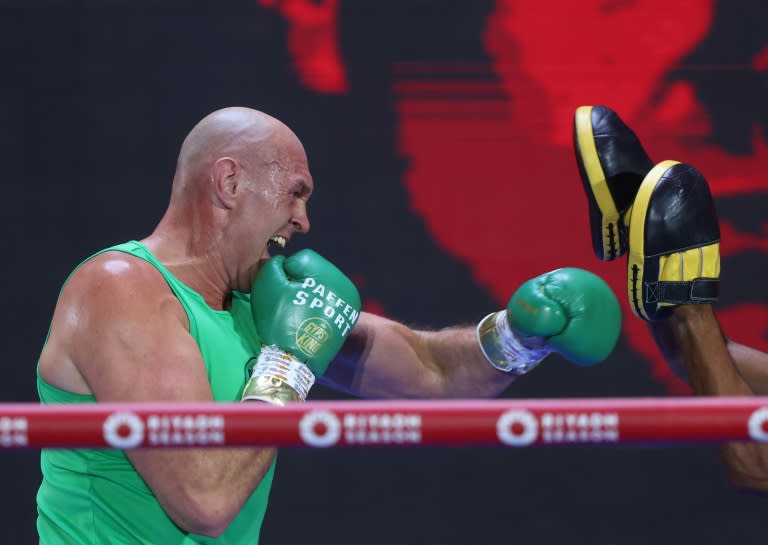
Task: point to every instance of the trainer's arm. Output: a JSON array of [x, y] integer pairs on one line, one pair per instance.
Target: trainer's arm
[[383, 358], [127, 335], [751, 364], [692, 337]]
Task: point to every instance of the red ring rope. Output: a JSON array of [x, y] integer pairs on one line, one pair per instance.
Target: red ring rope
[[519, 423]]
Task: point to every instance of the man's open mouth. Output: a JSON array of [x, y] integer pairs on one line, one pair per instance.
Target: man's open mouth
[[276, 242]]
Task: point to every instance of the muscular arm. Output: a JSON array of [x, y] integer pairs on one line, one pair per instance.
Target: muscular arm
[[119, 333], [698, 324], [752, 365], [382, 358], [692, 340]]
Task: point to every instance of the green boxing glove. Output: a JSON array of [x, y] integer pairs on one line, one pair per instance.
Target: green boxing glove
[[303, 307], [569, 311]]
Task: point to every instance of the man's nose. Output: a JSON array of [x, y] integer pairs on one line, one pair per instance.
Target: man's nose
[[300, 219]]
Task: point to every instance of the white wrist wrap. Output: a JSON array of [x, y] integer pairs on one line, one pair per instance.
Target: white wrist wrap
[[278, 378], [502, 348]]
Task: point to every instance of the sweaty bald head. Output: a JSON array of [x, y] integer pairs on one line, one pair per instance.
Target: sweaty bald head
[[244, 134]]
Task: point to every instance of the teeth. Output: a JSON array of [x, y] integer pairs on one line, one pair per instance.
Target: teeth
[[280, 241]]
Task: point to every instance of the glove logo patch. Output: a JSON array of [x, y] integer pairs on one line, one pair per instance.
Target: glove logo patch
[[329, 304], [312, 335]]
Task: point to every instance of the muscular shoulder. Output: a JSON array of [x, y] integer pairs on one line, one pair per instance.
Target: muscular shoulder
[[115, 292], [116, 280], [116, 271], [108, 302], [120, 333]]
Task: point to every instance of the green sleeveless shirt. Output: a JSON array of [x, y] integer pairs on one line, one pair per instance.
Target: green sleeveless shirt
[[95, 496]]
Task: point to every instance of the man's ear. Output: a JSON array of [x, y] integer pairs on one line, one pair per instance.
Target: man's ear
[[225, 177]]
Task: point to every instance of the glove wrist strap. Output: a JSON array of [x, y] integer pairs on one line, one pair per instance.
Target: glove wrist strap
[[278, 378], [503, 349]]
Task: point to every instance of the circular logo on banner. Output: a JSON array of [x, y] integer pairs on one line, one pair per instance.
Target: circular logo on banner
[[320, 429], [517, 428], [312, 334], [756, 425], [123, 430]]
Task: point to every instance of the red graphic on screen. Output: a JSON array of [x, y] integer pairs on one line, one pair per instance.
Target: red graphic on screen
[[313, 41], [492, 169], [496, 178]]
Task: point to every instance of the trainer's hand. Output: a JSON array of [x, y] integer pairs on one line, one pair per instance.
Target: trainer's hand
[[569, 311], [303, 307]]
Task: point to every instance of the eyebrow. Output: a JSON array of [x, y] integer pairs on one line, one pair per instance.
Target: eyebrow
[[305, 189]]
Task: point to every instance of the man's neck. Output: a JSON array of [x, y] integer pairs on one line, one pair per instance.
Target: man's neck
[[194, 260]]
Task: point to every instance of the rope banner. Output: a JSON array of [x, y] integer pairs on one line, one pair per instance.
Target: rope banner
[[322, 424]]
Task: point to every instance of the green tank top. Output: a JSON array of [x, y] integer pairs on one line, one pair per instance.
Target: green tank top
[[95, 496]]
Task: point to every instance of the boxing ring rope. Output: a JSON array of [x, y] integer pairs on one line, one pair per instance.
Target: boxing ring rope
[[514, 423]]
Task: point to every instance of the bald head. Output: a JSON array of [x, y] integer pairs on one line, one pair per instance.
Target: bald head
[[242, 180], [244, 134], [226, 132]]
